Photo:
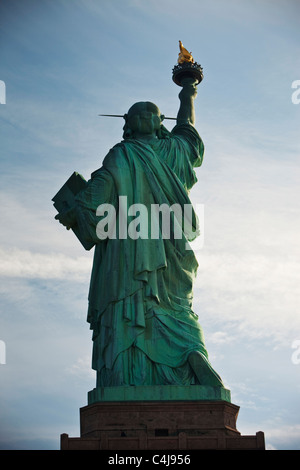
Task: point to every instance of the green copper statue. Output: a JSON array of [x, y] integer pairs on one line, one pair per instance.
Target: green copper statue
[[145, 331]]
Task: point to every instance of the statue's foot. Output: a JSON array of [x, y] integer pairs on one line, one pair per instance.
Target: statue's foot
[[205, 374]]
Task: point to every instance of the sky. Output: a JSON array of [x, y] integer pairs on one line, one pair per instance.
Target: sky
[[63, 62]]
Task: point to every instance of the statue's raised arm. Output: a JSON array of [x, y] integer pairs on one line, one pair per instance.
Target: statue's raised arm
[[186, 113], [187, 74]]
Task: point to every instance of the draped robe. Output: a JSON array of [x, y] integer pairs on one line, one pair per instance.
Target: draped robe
[[141, 290]]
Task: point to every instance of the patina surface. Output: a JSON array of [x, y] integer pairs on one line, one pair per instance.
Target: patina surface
[[145, 331]]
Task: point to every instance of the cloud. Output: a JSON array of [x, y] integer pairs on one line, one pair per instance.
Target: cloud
[[250, 290], [24, 263], [219, 337], [82, 368], [248, 273], [283, 436]]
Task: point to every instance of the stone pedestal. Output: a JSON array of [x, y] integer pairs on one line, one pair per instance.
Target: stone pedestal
[[160, 424]]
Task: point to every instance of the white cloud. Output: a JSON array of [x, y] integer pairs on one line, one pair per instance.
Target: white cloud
[[82, 368], [26, 264], [219, 337], [258, 293], [283, 436]]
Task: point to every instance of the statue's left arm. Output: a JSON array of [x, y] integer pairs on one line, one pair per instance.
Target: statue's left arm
[[99, 190]]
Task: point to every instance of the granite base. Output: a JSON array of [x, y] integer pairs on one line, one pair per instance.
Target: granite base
[[176, 423]]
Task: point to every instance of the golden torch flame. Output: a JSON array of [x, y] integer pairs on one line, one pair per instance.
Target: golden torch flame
[[184, 55]]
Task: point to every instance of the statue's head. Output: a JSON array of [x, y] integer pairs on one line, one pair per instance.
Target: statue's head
[[144, 118]]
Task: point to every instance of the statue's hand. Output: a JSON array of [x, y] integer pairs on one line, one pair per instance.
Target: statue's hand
[[67, 218], [189, 88]]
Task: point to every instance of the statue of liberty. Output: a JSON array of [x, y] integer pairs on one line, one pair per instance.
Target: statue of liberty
[[140, 310]]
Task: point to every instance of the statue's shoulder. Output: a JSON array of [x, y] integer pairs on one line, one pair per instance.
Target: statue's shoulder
[[185, 129], [122, 154], [116, 157], [187, 133]]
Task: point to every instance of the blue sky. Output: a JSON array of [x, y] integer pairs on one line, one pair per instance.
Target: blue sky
[[64, 62]]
